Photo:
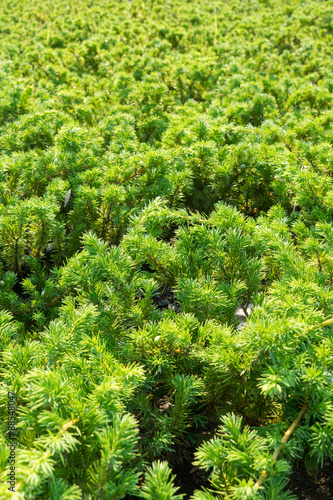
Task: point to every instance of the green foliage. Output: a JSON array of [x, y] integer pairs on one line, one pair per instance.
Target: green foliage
[[236, 456], [164, 167]]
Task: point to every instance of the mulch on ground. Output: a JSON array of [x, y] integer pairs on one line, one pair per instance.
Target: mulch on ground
[[306, 487]]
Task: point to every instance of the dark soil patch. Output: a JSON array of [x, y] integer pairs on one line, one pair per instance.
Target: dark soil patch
[[189, 479], [164, 298], [317, 487]]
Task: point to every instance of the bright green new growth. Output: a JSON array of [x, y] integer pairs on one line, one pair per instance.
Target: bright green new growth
[[158, 483], [153, 150]]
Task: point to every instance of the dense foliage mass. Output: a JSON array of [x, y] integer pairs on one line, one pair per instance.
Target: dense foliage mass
[[165, 147]]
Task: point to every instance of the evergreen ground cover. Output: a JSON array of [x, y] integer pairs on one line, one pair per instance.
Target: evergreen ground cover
[[163, 163]]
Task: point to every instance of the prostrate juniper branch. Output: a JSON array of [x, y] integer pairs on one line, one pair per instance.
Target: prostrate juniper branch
[[195, 141]]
